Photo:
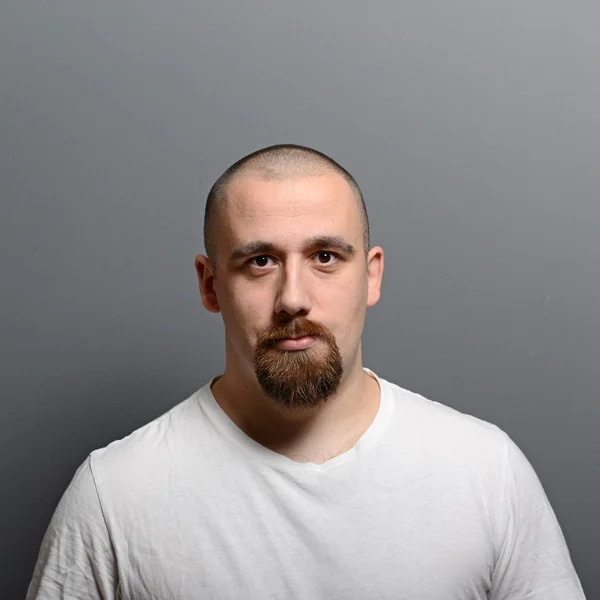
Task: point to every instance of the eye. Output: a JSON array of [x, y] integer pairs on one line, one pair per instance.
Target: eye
[[327, 258], [260, 261]]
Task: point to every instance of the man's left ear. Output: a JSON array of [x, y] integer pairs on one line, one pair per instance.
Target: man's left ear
[[374, 274]]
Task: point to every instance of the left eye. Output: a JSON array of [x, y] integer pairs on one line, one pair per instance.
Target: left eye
[[326, 258]]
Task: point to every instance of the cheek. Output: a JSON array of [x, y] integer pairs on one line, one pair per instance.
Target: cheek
[[350, 295], [346, 305], [247, 299], [245, 310]]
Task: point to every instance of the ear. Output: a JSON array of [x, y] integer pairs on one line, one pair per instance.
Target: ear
[[374, 274], [206, 283]]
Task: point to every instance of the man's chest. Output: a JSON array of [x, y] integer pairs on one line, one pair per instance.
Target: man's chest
[[298, 542]]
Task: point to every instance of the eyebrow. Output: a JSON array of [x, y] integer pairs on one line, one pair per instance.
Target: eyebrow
[[312, 243]]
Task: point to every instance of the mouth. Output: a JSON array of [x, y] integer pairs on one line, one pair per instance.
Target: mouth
[[296, 343]]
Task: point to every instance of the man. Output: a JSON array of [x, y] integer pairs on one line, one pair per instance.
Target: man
[[298, 473]]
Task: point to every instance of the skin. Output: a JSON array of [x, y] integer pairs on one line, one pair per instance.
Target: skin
[[319, 282]]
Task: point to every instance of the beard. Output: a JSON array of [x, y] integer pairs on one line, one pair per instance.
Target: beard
[[298, 379]]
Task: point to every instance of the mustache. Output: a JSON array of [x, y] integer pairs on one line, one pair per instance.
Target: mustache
[[297, 328]]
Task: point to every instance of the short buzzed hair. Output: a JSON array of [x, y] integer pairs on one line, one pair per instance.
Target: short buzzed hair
[[282, 161]]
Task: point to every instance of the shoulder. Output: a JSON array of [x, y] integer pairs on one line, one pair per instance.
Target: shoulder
[[150, 451], [76, 555], [444, 431]]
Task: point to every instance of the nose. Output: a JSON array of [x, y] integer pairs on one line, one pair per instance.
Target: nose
[[293, 297]]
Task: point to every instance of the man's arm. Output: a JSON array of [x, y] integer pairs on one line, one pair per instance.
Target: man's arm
[[76, 560], [534, 562]]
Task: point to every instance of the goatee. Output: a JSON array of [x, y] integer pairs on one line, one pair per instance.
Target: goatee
[[298, 379]]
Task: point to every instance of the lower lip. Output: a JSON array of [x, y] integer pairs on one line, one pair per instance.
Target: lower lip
[[298, 344]]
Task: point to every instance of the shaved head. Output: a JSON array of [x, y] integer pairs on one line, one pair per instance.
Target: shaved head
[[280, 162]]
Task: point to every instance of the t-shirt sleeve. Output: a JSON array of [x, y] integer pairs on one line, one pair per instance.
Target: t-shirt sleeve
[[76, 560], [534, 561]]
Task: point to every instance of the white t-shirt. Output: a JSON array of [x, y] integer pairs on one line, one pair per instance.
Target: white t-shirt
[[429, 504]]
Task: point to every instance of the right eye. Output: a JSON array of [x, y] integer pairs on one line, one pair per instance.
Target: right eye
[[260, 261]]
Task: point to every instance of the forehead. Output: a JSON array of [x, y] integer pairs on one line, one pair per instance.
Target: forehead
[[290, 209]]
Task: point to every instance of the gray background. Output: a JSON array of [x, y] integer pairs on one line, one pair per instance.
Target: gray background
[[473, 129]]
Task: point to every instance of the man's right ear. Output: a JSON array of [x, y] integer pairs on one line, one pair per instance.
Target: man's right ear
[[206, 283]]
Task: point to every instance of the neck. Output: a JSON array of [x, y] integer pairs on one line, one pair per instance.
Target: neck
[[315, 434]]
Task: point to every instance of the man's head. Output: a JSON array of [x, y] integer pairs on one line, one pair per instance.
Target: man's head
[[284, 161], [287, 239]]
